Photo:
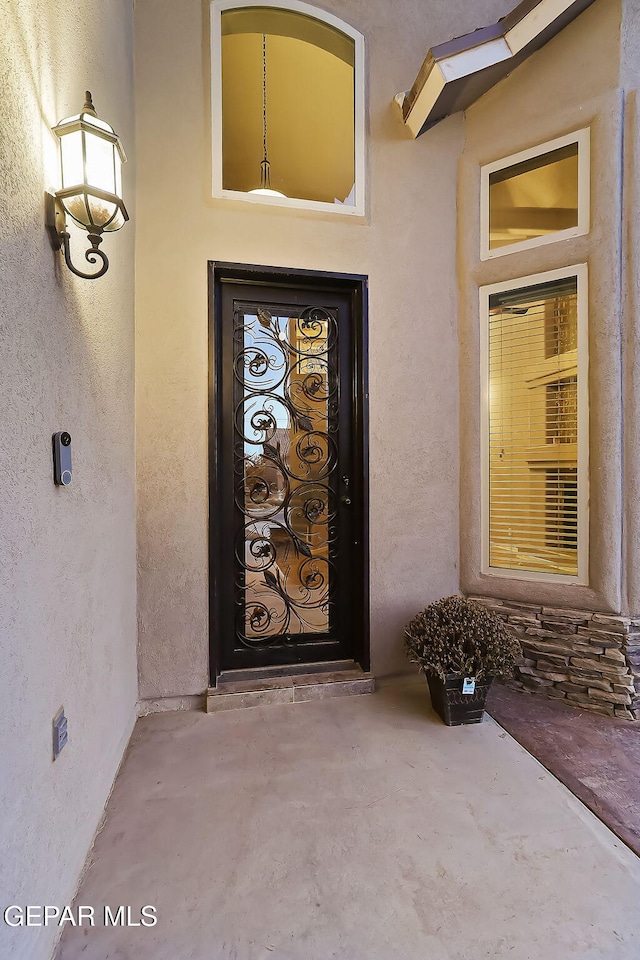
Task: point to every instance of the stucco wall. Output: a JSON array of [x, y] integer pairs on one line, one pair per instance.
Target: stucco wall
[[406, 247], [573, 82], [630, 77], [67, 573]]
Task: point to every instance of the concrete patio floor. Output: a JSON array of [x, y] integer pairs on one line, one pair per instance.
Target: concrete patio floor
[[358, 828]]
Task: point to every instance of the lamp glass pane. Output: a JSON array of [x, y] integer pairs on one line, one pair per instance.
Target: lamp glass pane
[[77, 208], [71, 150], [101, 210], [118, 171], [96, 122], [117, 222], [100, 166]]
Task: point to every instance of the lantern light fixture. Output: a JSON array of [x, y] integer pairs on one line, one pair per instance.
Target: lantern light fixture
[[91, 158]]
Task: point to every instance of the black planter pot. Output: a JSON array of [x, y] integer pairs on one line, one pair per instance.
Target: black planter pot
[[454, 706]]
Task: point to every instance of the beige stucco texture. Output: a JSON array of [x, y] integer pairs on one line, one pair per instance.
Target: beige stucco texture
[[579, 73], [406, 246], [630, 75], [67, 574]]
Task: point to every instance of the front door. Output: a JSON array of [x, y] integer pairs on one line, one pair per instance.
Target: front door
[[288, 508]]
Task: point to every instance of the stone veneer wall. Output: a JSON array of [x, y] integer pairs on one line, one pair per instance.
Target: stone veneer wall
[[590, 660]]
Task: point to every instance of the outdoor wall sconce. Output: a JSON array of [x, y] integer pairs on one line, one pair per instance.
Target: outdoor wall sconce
[[91, 158]]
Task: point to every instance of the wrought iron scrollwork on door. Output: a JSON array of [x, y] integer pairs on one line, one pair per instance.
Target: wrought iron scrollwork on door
[[286, 453]]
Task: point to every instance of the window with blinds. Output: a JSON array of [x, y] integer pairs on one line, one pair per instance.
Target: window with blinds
[[535, 427]]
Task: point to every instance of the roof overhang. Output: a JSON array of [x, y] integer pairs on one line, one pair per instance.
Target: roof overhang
[[455, 74]]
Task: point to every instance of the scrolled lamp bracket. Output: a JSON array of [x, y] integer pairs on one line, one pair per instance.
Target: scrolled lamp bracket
[[61, 240], [91, 255]]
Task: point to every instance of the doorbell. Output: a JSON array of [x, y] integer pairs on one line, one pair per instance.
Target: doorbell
[[62, 458]]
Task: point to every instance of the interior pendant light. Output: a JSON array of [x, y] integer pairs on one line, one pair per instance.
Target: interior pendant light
[[265, 167]]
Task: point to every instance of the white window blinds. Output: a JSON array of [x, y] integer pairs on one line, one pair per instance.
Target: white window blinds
[[534, 406]]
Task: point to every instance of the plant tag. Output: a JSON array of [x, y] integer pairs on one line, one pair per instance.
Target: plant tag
[[469, 685]]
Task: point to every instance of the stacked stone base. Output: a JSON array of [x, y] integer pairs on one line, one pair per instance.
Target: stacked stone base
[[590, 660]]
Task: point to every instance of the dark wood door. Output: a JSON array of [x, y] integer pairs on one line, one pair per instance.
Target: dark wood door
[[288, 509]]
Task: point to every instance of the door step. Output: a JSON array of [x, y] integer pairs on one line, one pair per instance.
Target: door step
[[288, 670], [233, 694]]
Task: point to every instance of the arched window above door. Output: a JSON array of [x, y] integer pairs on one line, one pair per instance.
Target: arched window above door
[[288, 106]]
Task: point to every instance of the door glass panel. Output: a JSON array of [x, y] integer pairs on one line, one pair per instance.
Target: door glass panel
[[286, 453]]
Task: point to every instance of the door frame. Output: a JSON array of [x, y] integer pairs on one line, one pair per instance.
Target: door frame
[[357, 285]]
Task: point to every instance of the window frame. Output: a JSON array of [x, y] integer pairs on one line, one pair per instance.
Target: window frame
[[357, 209], [583, 139], [580, 272]]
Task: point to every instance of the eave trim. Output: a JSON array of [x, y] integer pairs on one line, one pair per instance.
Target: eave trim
[[457, 73]]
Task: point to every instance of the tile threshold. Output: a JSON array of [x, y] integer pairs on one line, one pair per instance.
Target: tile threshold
[[235, 694]]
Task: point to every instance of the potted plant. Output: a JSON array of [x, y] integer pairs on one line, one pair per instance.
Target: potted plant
[[460, 646]]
